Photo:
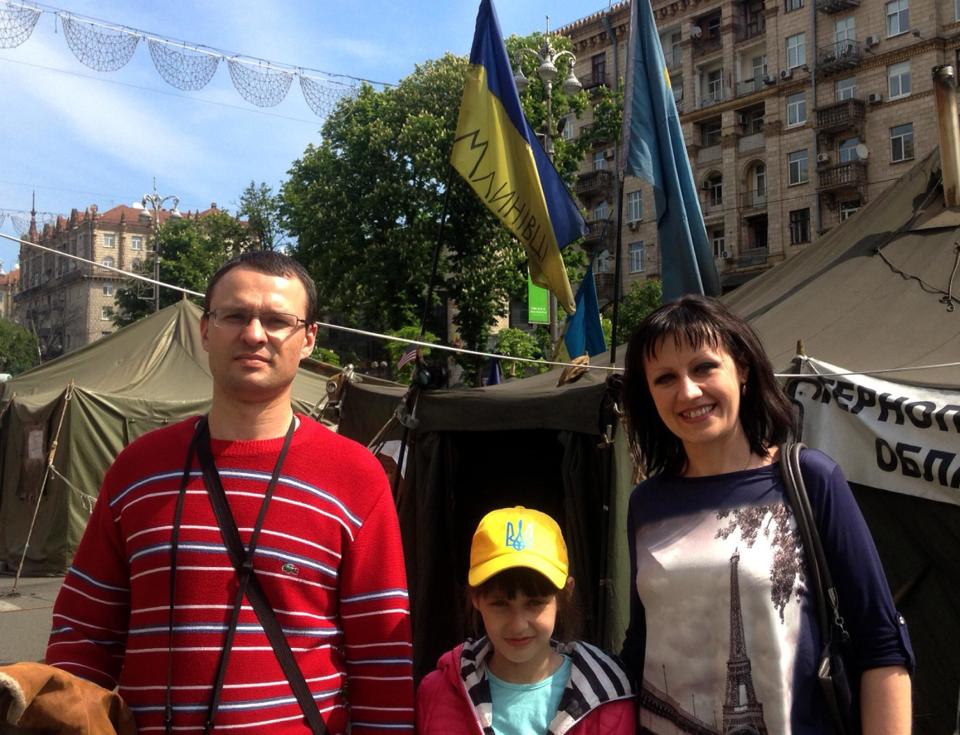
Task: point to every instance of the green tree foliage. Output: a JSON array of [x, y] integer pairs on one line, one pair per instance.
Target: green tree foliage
[[18, 348], [518, 343], [641, 299], [191, 250], [260, 207], [364, 206]]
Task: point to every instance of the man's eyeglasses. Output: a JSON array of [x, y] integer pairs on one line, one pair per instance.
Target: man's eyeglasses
[[274, 323]]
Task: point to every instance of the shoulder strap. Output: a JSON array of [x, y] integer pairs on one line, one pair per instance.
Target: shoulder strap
[[255, 594], [825, 592]]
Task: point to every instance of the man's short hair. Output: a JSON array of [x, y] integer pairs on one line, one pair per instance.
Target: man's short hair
[[271, 263]]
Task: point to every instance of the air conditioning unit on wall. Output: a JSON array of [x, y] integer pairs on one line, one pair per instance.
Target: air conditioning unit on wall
[[823, 158], [786, 73], [875, 98]]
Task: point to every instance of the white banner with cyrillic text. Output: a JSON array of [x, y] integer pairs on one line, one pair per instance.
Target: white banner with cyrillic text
[[893, 436]]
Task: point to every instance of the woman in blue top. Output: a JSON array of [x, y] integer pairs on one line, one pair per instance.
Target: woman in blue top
[[723, 632]]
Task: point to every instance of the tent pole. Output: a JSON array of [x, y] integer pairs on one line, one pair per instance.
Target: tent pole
[[36, 509]]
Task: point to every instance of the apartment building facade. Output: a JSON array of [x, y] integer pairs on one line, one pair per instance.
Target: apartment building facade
[[795, 113], [66, 302]]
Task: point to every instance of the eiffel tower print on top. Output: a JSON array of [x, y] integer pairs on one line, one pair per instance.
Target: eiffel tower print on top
[[742, 713]]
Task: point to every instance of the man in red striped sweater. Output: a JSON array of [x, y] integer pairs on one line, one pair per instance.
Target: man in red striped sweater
[[151, 593]]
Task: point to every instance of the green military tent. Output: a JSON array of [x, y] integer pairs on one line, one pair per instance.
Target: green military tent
[[82, 409]]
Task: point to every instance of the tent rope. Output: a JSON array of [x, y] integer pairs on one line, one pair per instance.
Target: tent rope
[[68, 394], [491, 355], [87, 499]]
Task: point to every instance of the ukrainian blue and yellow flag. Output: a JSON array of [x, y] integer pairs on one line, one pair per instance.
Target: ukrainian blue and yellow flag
[[656, 152], [500, 157]]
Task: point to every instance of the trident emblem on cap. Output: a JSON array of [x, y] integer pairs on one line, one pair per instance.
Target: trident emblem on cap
[[520, 538]]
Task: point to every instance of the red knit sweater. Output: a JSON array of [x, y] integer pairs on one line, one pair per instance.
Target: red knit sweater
[[329, 559]]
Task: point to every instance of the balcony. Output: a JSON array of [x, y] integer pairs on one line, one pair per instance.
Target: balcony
[[752, 258], [750, 28], [753, 200], [707, 45], [597, 231], [849, 175], [749, 86], [712, 97], [837, 6], [841, 116], [595, 81], [839, 56], [594, 183]]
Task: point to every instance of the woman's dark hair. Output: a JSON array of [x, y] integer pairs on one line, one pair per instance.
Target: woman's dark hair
[[766, 415], [512, 582]]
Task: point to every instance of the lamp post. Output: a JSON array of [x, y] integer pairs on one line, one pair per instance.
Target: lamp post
[[548, 57], [156, 203]]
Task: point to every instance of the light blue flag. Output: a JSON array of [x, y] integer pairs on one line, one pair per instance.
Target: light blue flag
[[584, 331], [655, 151]]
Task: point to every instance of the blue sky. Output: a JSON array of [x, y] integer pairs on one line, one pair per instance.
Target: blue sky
[[81, 137]]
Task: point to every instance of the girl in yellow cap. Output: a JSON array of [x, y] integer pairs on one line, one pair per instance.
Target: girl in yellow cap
[[517, 679]]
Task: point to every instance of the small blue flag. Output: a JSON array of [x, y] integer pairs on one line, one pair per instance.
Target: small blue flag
[[495, 376], [655, 151], [584, 330]]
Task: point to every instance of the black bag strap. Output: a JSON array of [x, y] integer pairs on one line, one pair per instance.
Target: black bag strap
[[243, 564], [824, 589]]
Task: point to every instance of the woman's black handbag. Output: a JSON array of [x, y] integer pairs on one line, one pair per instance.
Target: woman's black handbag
[[832, 672]]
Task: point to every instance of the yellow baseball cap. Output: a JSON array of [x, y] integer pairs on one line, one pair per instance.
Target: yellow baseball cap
[[518, 537]]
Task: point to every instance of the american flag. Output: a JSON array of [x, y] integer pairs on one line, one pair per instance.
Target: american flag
[[409, 356]]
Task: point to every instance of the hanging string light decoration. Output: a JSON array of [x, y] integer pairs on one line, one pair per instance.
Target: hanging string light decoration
[[16, 24], [263, 85], [98, 48], [20, 223], [324, 95], [183, 69]]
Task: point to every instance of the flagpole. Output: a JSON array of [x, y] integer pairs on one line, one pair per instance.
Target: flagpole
[[618, 191], [436, 253]]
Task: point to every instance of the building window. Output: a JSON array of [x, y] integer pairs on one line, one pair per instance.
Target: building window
[[676, 86], [599, 161], [105, 313], [759, 66], [715, 85], [598, 69], [752, 120], [847, 150], [566, 127], [956, 10], [898, 17], [713, 26], [846, 89], [716, 237], [136, 265], [848, 209], [634, 206], [109, 240], [792, 5], [798, 167], [108, 289], [898, 80], [601, 212], [796, 109], [710, 132], [714, 188], [844, 30], [108, 261], [799, 226], [796, 50], [136, 242], [901, 143], [638, 256]]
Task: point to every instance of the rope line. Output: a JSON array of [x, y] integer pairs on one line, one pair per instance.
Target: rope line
[[459, 350]]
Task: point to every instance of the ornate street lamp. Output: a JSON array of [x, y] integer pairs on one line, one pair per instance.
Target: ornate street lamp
[[548, 57], [156, 203]]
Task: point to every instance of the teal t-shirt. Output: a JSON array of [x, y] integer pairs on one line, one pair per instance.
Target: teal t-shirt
[[527, 709]]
